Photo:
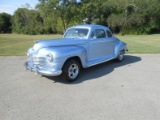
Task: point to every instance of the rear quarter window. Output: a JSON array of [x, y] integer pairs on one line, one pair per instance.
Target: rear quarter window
[[109, 34]]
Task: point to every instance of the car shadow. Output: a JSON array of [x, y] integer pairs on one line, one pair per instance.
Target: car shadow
[[99, 70]]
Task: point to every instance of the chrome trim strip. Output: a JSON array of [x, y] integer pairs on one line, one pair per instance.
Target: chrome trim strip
[[101, 62]]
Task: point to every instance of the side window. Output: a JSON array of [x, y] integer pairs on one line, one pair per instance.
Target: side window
[[109, 34], [98, 33]]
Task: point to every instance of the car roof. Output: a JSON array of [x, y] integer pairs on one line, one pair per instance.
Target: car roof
[[90, 26]]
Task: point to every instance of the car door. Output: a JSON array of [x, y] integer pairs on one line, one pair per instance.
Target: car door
[[101, 46], [111, 42]]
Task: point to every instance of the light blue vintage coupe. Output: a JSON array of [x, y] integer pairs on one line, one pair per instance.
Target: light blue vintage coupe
[[81, 47]]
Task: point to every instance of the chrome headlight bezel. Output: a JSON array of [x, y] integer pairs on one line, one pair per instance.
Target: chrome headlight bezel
[[49, 57], [27, 53]]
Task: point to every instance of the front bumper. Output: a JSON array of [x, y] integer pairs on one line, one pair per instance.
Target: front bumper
[[38, 70]]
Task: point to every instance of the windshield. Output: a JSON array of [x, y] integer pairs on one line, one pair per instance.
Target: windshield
[[76, 33]]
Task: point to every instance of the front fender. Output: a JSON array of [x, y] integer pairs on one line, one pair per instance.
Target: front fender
[[61, 54]]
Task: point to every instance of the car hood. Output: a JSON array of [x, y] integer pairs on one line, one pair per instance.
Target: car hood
[[57, 42]]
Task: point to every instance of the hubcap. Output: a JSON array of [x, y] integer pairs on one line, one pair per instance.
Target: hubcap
[[73, 71]]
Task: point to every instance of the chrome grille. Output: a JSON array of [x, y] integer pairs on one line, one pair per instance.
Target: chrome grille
[[39, 60]]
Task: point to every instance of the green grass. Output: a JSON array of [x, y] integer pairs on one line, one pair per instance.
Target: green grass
[[16, 45], [142, 43]]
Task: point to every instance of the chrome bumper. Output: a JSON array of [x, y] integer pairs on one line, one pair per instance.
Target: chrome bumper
[[44, 72]]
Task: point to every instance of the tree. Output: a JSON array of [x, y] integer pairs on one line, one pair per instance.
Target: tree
[[135, 17], [27, 21], [5, 23], [48, 17], [122, 16], [62, 13], [63, 9]]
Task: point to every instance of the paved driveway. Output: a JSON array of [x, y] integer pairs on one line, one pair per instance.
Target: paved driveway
[[129, 90]]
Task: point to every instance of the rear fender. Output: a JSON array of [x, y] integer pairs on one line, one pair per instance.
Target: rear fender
[[120, 46]]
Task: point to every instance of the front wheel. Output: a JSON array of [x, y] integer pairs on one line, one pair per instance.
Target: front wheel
[[120, 56], [71, 70]]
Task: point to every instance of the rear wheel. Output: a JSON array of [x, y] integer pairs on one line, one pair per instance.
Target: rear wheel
[[120, 56], [71, 70]]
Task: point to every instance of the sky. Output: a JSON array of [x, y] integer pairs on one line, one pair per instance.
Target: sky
[[9, 6]]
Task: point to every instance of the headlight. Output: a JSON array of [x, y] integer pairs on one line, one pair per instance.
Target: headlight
[[27, 54], [50, 57]]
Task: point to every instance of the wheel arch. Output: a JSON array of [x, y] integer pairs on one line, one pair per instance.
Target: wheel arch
[[120, 46], [77, 58]]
